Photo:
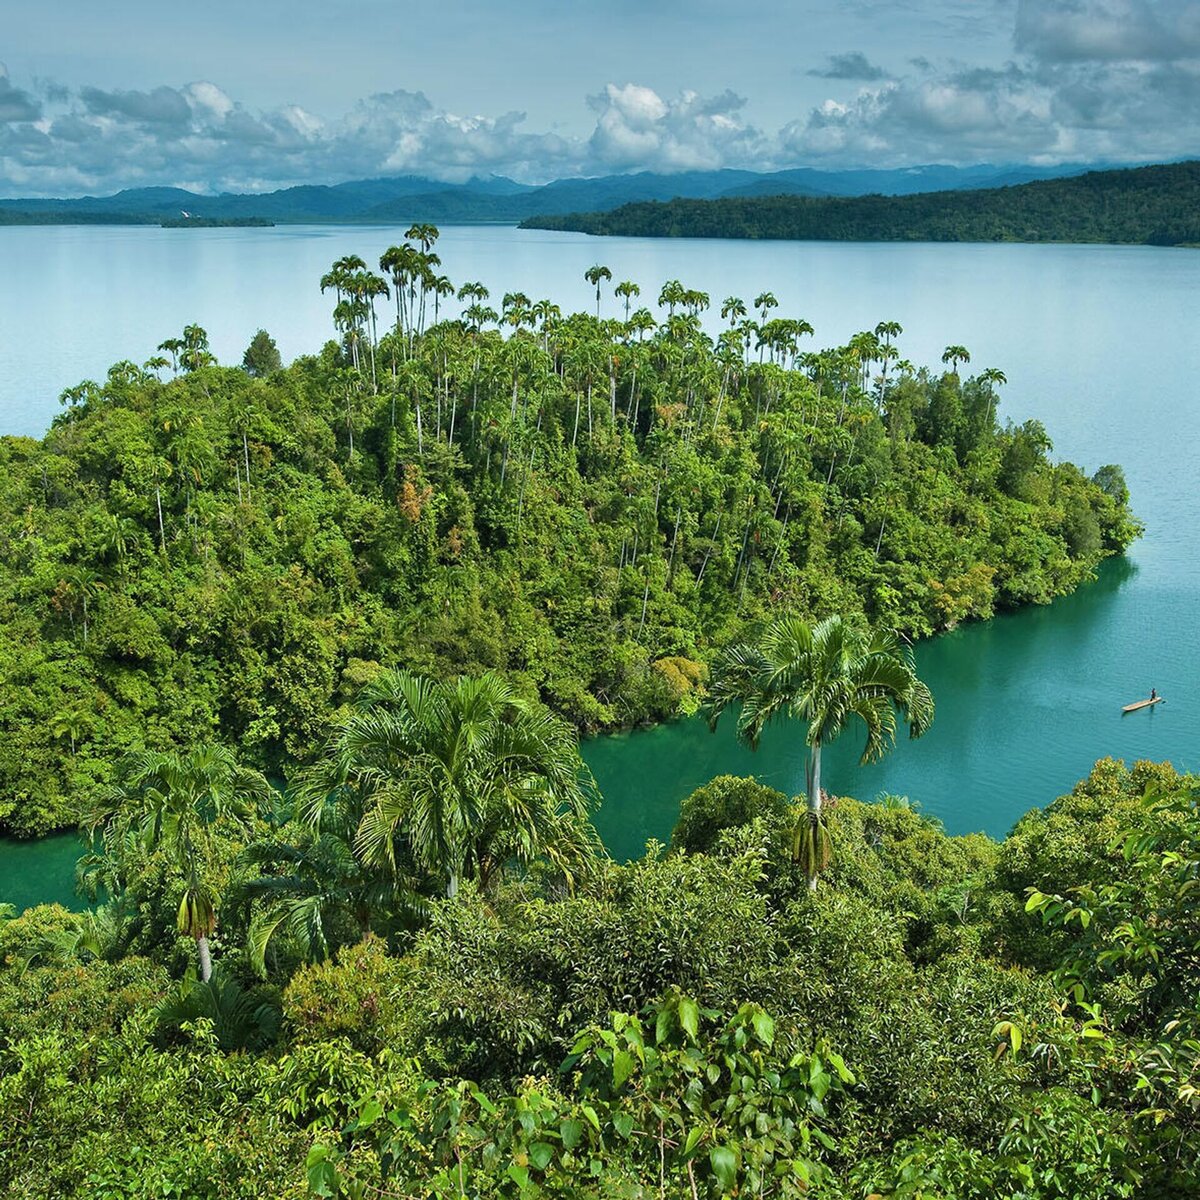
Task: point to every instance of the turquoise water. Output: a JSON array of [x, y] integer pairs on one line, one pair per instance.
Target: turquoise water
[[1098, 342], [41, 872]]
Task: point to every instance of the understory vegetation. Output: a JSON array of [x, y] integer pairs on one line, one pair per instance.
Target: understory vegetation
[[943, 1017], [594, 507]]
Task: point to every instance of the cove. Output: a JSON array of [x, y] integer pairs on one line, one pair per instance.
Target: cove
[[1026, 703]]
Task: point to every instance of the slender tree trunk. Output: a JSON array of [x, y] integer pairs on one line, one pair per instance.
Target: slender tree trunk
[[205, 956], [162, 534], [814, 791], [452, 885], [246, 456]]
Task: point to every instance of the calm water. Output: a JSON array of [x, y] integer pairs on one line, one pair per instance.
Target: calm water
[[1097, 342]]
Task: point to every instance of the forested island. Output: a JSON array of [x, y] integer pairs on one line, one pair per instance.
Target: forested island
[[1157, 205], [306, 652], [594, 507]]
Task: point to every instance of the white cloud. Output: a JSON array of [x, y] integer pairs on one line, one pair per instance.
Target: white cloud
[[1092, 79]]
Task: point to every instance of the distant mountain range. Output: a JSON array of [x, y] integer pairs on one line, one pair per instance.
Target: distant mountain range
[[1156, 205], [496, 199]]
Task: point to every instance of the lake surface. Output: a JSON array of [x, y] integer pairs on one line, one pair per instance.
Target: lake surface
[[1098, 342]]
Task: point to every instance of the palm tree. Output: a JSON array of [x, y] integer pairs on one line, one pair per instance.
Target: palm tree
[[595, 276], [955, 355], [993, 377], [733, 309], [626, 290], [173, 800], [824, 675], [671, 295], [459, 777], [315, 887]]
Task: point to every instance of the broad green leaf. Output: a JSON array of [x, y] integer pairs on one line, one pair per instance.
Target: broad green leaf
[[724, 1162], [622, 1067], [689, 1017], [570, 1132], [764, 1027]]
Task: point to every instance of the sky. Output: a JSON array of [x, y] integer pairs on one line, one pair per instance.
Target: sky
[[249, 95]]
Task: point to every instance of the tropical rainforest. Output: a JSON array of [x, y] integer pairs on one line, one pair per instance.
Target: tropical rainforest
[[592, 506], [1141, 205], [306, 652]]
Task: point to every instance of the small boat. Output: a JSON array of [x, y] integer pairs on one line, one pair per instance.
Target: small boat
[[1143, 704]]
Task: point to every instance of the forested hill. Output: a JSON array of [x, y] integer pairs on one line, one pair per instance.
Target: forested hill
[[415, 198], [1145, 205], [594, 507]]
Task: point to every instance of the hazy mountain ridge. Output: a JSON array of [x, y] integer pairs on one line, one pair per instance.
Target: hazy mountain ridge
[[496, 198]]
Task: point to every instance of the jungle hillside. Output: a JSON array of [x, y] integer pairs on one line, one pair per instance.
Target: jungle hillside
[[594, 507], [1154, 205]]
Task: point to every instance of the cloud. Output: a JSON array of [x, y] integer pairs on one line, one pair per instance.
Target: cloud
[[851, 65], [637, 129], [16, 105], [1076, 31], [198, 136], [1115, 80]]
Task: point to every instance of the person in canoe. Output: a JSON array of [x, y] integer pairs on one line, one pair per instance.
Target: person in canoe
[[1153, 694]]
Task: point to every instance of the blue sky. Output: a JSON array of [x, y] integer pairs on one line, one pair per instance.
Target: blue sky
[[262, 93]]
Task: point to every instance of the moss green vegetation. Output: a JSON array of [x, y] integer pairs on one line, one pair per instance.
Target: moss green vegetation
[[593, 507], [1142, 205], [943, 1017]]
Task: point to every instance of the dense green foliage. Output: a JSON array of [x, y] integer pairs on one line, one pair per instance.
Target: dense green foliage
[[594, 507], [1144, 205], [939, 1019]]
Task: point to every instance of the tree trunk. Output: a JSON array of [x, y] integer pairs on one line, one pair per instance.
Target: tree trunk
[[205, 956], [162, 535], [452, 885], [814, 778], [814, 792]]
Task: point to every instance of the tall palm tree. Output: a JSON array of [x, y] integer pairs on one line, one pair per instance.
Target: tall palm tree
[[992, 377], [172, 800], [627, 290], [824, 675], [461, 777], [955, 355], [595, 276]]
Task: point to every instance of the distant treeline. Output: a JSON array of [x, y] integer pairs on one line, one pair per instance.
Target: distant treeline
[[74, 217], [217, 223], [1145, 205]]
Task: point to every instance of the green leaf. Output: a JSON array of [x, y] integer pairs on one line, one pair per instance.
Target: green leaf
[[662, 1025], [371, 1113], [724, 1162], [622, 1067], [764, 1027], [518, 1175], [540, 1154], [623, 1124], [689, 1017], [322, 1176], [589, 1112], [570, 1132], [693, 1137]]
